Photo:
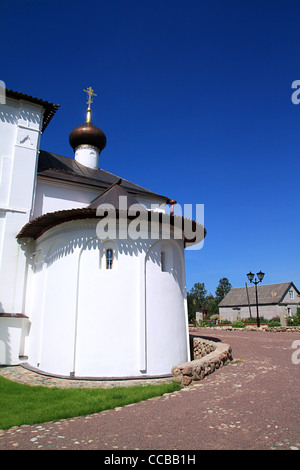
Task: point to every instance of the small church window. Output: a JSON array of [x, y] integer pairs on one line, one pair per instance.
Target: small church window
[[166, 258], [163, 261], [109, 258]]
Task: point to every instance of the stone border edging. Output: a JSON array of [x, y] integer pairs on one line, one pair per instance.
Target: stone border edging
[[274, 329], [192, 372]]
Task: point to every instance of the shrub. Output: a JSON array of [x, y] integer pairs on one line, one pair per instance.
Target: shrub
[[250, 320], [274, 323], [254, 320], [238, 324], [277, 319], [293, 321], [205, 323]]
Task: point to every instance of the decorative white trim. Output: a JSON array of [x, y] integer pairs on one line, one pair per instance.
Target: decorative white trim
[[69, 226], [13, 209]]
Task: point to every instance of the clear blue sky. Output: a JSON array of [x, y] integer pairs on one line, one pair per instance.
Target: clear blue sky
[[195, 100]]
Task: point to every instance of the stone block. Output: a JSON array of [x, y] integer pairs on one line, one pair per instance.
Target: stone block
[[188, 370], [186, 380]]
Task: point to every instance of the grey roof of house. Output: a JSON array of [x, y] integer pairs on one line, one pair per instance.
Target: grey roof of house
[[63, 168], [267, 294]]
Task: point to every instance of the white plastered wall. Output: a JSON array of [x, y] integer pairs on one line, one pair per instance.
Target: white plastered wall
[[94, 322], [20, 128]]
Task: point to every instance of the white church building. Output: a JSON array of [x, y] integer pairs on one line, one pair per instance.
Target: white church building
[[92, 269]]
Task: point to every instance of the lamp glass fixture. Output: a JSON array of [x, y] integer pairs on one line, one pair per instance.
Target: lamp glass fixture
[[250, 276], [260, 275]]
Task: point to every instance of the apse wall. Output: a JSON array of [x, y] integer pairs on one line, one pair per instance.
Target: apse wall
[[90, 321]]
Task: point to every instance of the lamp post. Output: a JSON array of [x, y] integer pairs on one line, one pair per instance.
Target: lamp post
[[260, 276]]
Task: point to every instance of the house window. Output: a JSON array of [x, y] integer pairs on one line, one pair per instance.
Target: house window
[[289, 311], [109, 258], [291, 292]]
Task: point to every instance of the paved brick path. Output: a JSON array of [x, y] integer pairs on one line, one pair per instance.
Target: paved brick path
[[253, 403]]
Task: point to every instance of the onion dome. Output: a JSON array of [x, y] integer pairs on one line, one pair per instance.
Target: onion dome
[[87, 134]]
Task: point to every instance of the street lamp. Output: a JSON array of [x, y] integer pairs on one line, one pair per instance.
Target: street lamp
[[260, 276]]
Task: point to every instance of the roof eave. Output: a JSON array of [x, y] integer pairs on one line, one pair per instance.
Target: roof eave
[[36, 227], [49, 108]]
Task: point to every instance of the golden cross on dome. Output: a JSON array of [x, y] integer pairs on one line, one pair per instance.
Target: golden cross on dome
[[90, 93]]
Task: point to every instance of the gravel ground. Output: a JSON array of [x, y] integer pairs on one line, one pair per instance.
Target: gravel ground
[[251, 404]]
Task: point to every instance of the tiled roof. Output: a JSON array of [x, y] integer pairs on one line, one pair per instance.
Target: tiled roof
[[50, 108], [267, 294], [112, 196], [36, 227], [67, 169]]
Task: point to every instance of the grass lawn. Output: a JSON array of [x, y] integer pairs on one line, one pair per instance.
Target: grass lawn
[[24, 404]]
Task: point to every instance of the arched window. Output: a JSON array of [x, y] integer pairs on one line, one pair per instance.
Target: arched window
[[163, 261], [166, 258], [109, 258]]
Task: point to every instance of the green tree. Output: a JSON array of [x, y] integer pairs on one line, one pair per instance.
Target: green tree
[[211, 303], [196, 299], [223, 288]]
